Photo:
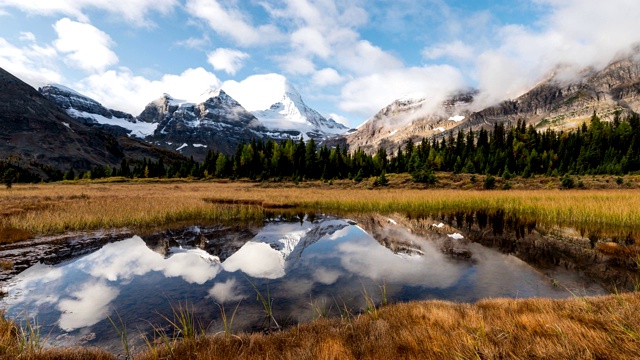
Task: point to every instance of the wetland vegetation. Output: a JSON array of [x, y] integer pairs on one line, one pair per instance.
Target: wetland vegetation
[[593, 233]]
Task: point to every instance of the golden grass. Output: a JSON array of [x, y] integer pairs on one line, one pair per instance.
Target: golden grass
[[604, 327], [57, 208], [579, 328], [11, 235]]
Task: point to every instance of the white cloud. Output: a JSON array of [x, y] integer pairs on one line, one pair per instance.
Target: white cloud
[[257, 260], [86, 46], [310, 41], [226, 292], [456, 49], [364, 58], [27, 36], [574, 35], [133, 11], [89, 305], [296, 65], [32, 64], [229, 20], [228, 60], [368, 94], [257, 92], [326, 76], [341, 119], [122, 90], [194, 43]]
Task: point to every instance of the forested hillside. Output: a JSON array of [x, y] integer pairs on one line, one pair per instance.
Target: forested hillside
[[595, 148]]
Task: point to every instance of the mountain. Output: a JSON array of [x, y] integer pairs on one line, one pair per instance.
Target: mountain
[[407, 120], [561, 103], [291, 113], [556, 103], [92, 113], [213, 121], [35, 134]]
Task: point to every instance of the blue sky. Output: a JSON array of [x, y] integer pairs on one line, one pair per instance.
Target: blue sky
[[348, 58]]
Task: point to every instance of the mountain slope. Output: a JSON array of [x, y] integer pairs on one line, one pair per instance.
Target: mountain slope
[[36, 131], [555, 103], [92, 113], [291, 113], [279, 106], [36, 134], [407, 120], [214, 121]]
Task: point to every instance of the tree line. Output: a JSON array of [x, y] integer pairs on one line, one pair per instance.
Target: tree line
[[520, 150]]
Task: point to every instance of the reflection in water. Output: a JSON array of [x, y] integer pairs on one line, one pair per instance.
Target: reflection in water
[[311, 259]]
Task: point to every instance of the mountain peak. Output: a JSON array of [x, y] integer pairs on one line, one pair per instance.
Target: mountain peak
[[276, 102]]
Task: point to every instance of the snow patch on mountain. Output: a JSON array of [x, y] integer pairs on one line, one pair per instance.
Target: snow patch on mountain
[[279, 106], [138, 129]]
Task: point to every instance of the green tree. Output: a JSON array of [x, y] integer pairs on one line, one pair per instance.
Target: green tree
[[69, 175], [424, 175], [9, 177], [489, 182], [381, 180]]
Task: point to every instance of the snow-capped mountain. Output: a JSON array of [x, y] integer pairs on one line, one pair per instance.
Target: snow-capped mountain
[[214, 120], [92, 113], [285, 110]]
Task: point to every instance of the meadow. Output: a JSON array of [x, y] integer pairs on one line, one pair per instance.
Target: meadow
[[46, 209], [579, 327]]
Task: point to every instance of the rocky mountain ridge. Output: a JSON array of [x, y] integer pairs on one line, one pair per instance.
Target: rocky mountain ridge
[[214, 121], [36, 135], [555, 103]]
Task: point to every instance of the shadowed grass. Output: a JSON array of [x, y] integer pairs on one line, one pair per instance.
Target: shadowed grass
[[604, 327]]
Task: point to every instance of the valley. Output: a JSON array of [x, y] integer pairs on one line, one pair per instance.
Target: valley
[[246, 224], [198, 240]]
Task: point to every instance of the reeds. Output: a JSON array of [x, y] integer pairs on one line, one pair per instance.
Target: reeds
[[58, 208], [267, 306]]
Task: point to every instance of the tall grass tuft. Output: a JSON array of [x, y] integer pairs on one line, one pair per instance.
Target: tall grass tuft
[[267, 305], [121, 330], [227, 322], [30, 337]]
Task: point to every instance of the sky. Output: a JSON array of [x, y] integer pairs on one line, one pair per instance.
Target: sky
[[347, 58]]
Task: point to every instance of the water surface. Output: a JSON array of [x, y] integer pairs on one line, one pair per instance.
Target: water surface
[[310, 265]]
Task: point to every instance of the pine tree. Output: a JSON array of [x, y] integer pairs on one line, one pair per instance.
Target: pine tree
[[9, 177]]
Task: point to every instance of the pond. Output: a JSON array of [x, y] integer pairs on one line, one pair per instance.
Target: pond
[[306, 266]]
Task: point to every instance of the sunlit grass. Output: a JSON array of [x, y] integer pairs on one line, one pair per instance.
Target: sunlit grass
[[58, 208]]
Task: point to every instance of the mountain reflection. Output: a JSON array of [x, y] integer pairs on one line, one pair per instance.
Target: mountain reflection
[[319, 258]]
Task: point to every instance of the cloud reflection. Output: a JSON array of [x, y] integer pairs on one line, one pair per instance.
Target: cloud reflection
[[88, 306], [365, 257], [226, 292], [122, 261], [257, 260]]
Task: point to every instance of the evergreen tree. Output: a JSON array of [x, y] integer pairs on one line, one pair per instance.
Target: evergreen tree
[[9, 177]]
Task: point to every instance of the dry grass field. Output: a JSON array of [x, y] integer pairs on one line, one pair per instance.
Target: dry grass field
[[577, 328], [31, 210]]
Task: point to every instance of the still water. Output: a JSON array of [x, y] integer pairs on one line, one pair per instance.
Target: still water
[[320, 262]]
